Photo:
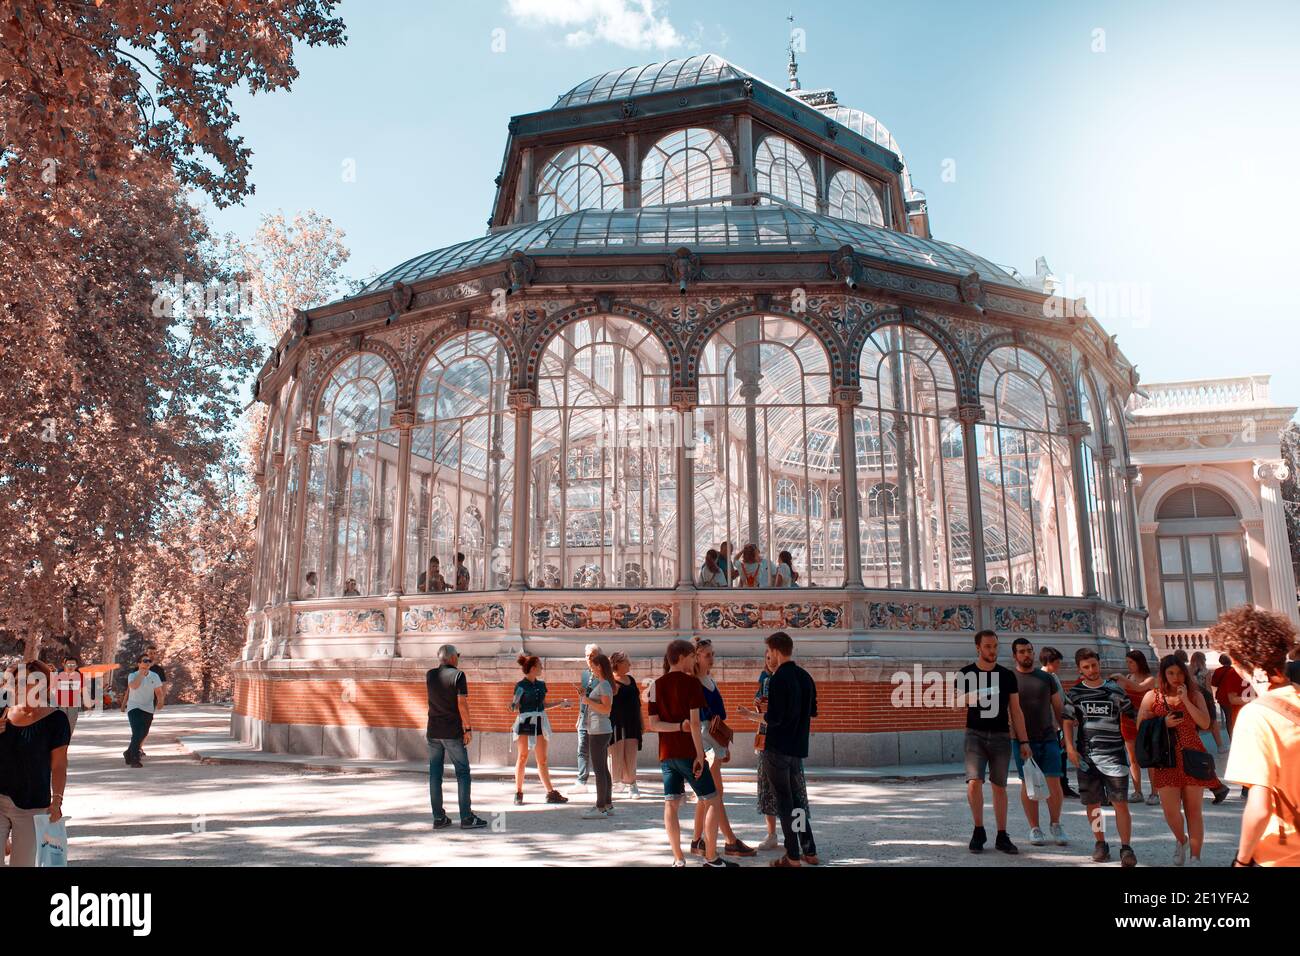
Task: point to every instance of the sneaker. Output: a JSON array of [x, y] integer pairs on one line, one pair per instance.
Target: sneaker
[[1068, 791], [770, 842], [633, 791], [679, 864], [1135, 796], [739, 849], [1193, 861], [978, 839], [609, 810], [595, 813], [1058, 835], [1036, 837], [1153, 799], [519, 798], [697, 847], [1180, 854], [442, 824], [718, 863], [619, 789], [1101, 852], [1003, 843], [473, 822], [1221, 793], [554, 796], [1127, 858]]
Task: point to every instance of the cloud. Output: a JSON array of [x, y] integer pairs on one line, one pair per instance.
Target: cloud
[[632, 24]]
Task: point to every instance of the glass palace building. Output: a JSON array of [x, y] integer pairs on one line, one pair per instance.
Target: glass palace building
[[706, 309]]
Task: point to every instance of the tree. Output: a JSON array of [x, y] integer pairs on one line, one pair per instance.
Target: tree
[[293, 265]]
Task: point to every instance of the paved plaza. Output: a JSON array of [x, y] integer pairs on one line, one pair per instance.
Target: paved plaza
[[181, 811]]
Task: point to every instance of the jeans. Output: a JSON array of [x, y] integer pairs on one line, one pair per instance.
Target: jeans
[[455, 749], [140, 723], [584, 765], [598, 745], [782, 771]]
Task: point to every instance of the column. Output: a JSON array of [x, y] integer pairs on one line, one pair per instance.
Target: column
[[743, 179], [303, 441], [632, 172], [1077, 430], [403, 420], [1281, 577], [523, 401], [1112, 526], [846, 401], [526, 206], [1132, 478], [684, 401], [969, 416], [259, 561]]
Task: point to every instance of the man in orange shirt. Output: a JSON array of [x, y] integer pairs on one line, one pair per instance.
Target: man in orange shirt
[[1265, 753]]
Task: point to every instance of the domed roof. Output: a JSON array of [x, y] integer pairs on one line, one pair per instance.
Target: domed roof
[[703, 229], [653, 78]]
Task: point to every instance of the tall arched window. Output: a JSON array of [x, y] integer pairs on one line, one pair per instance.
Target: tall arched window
[[686, 165], [460, 497], [787, 497], [604, 455], [1094, 492], [914, 493], [765, 407], [851, 197], [579, 177], [1203, 569], [1026, 492], [1122, 507], [352, 487], [288, 530], [781, 169]]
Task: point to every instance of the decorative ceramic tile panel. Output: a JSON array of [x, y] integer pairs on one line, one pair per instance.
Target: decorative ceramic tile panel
[[1070, 621], [367, 621], [460, 617], [1016, 619], [894, 616], [771, 616], [601, 617]]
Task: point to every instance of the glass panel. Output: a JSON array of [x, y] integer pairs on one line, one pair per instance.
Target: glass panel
[[1207, 600], [1229, 553], [1175, 602], [1198, 550], [1234, 592], [1171, 555]]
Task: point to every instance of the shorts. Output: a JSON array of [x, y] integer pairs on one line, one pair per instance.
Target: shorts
[[1093, 783], [988, 750], [677, 773], [1046, 753], [718, 751]]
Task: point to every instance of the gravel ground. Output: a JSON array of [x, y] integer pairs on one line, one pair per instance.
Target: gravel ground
[[178, 811]]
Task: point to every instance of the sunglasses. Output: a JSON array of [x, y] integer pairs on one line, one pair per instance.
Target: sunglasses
[[145, 660]]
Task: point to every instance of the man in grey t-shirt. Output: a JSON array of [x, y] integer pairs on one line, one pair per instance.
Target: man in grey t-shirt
[[1040, 702]]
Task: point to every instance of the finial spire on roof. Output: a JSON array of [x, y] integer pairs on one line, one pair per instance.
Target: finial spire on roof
[[794, 66]]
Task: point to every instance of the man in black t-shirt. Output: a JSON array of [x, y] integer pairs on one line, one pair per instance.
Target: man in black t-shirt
[[448, 734], [991, 695]]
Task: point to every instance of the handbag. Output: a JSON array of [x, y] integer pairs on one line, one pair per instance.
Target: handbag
[[1198, 765], [720, 732]]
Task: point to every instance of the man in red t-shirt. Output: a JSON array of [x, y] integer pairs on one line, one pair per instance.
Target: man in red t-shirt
[[1228, 690], [675, 703], [67, 691]]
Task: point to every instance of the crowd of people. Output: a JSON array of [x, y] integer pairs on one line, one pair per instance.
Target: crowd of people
[[685, 709], [750, 570]]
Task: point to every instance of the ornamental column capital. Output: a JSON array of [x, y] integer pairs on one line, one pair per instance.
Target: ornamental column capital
[[1078, 429], [305, 436], [403, 418], [1271, 469], [846, 396], [1134, 474], [277, 460], [969, 414], [522, 399], [684, 398], [1107, 452]]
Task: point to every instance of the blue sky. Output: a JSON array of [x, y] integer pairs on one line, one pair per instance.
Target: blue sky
[[1152, 163]]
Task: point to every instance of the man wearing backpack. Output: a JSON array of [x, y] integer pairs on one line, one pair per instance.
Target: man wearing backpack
[[1092, 710], [1265, 753]]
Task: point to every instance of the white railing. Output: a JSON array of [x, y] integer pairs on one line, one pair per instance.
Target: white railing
[[1202, 394], [1190, 640]]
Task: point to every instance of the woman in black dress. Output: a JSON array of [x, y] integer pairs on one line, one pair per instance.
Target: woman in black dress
[[33, 758], [531, 723], [626, 718]]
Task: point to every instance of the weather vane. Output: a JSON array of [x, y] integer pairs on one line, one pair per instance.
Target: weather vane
[[794, 66]]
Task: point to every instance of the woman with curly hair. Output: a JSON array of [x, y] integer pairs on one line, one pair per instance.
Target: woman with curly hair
[[1265, 753]]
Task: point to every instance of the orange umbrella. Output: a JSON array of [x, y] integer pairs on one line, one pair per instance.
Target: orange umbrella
[[95, 670]]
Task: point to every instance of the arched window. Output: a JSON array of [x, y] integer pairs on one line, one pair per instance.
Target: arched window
[[604, 412], [765, 399], [462, 464], [1203, 569], [913, 493], [287, 529], [815, 502], [352, 485], [787, 497], [579, 177], [1094, 492], [851, 197], [1122, 506], [781, 169], [1023, 460], [686, 165]]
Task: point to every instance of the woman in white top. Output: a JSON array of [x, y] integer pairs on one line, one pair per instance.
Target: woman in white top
[[786, 576], [711, 573], [753, 571]]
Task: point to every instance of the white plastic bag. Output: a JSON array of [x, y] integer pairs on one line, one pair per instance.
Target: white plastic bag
[[1035, 782], [51, 841]]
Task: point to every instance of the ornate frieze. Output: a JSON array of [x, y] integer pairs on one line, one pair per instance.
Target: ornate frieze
[[460, 617], [905, 616], [601, 617], [1069, 621], [744, 615], [350, 621]]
